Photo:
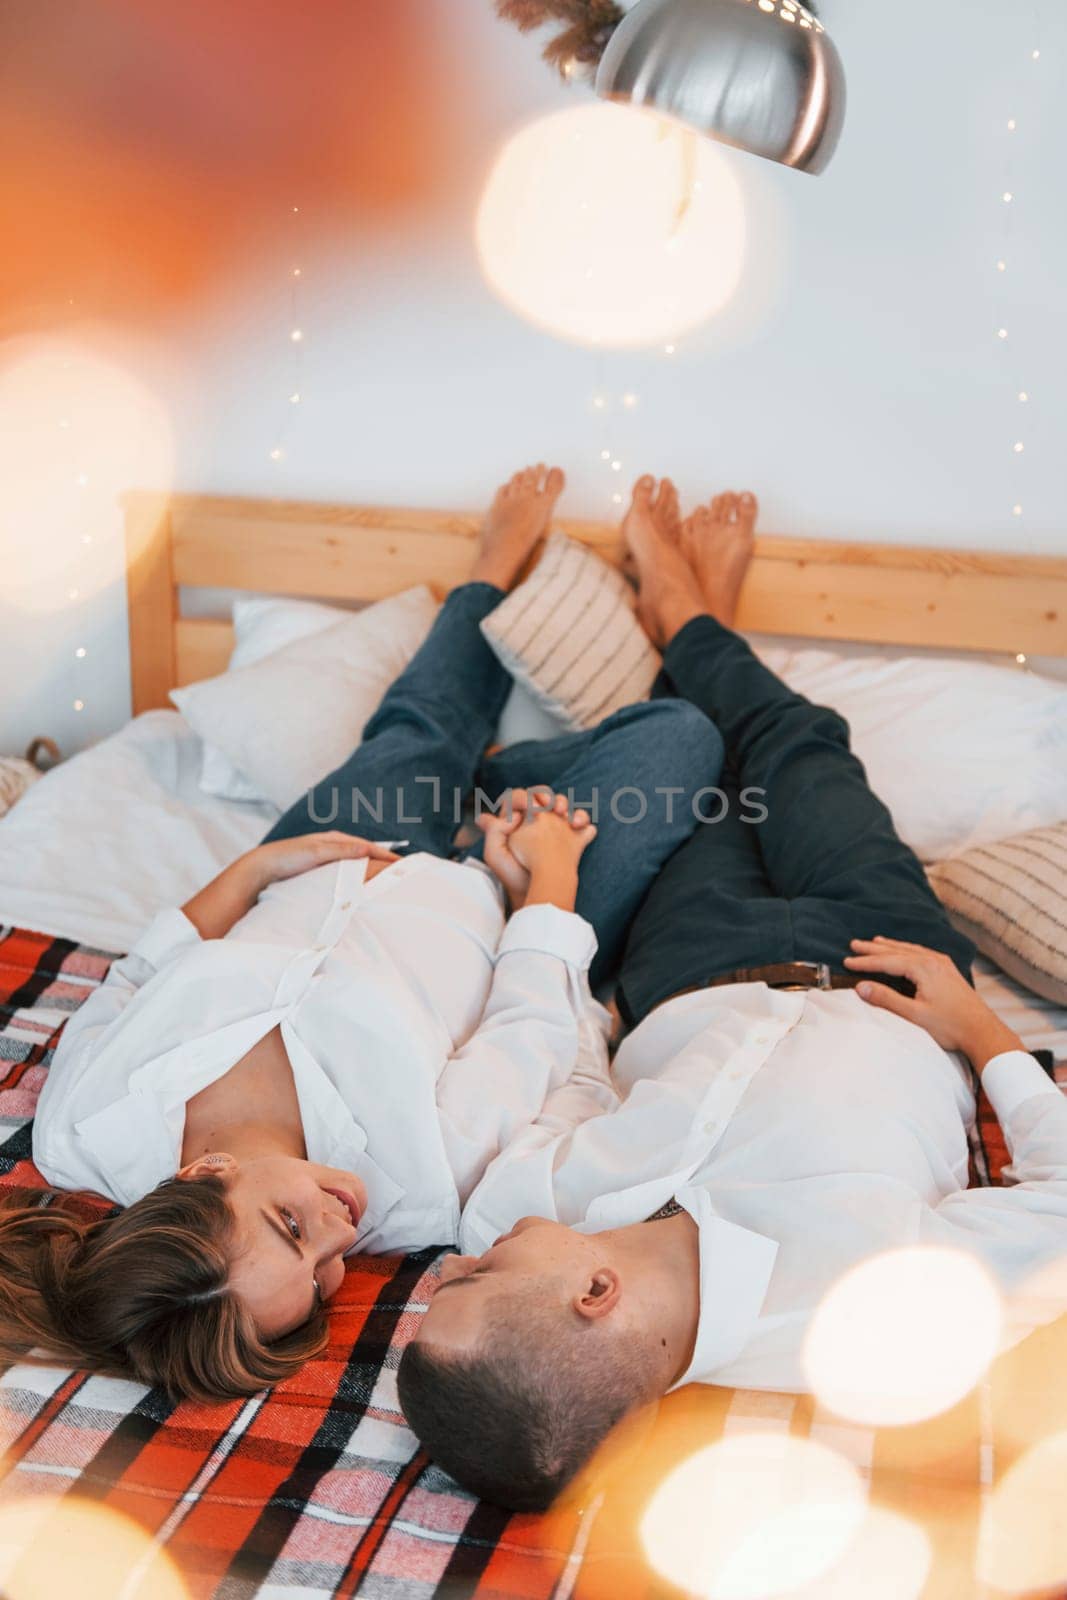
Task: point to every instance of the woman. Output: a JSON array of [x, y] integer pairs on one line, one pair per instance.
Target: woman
[[324, 1048]]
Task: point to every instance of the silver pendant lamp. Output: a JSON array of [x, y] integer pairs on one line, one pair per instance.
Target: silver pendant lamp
[[761, 75]]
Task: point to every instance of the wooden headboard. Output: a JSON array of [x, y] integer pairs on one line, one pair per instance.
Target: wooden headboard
[[818, 589]]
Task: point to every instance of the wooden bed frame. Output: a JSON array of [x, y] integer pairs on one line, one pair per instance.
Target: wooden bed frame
[[817, 589]]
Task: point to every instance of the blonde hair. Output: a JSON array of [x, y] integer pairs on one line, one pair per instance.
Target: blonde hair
[[142, 1293]]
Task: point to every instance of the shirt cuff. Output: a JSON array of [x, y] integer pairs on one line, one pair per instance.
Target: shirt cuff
[[169, 932], [552, 932], [1011, 1078]]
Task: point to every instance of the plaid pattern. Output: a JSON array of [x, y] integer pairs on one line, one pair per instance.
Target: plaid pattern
[[316, 1489]]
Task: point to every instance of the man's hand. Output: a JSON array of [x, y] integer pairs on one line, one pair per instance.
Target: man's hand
[[287, 858], [944, 1003], [533, 846]]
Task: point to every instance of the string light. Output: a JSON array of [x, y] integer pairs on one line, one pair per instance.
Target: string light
[[616, 466], [1002, 333], [80, 652], [1023, 396], [668, 349], [629, 401], [1019, 447], [79, 705], [294, 389], [297, 335]]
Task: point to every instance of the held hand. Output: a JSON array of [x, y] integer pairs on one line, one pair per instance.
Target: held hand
[[524, 807], [551, 838], [944, 1003], [287, 858]]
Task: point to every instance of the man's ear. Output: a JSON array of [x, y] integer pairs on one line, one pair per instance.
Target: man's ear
[[218, 1165], [601, 1295]]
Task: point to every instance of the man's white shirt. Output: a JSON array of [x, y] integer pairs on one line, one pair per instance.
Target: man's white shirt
[[423, 1031], [804, 1132]]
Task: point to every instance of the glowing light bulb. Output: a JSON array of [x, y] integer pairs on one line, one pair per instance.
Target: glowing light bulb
[[605, 455], [1008, 197], [1019, 447], [82, 479], [294, 399], [1002, 333], [79, 705], [1021, 659], [599, 402], [1035, 55], [80, 652], [629, 400], [1023, 396], [297, 335], [616, 499], [597, 189], [276, 454], [87, 538], [295, 209], [668, 349], [1016, 511], [72, 594], [1002, 266], [1011, 124], [296, 272], [616, 466]]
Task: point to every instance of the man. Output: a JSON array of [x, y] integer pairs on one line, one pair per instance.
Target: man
[[777, 1115]]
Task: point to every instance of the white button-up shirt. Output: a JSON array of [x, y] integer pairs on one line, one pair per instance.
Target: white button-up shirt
[[423, 1033], [803, 1132]]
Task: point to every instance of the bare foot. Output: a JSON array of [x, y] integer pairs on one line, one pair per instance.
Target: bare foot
[[518, 517], [718, 541], [669, 594]]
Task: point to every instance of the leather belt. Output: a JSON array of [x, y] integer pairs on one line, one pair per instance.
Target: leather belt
[[783, 975]]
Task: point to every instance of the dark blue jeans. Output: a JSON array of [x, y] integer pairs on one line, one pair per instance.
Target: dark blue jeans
[[640, 772], [824, 866]]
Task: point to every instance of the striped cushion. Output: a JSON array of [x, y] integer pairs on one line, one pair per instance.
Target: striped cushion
[[569, 635], [1011, 899]]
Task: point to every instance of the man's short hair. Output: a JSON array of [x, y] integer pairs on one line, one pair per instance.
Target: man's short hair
[[516, 1419]]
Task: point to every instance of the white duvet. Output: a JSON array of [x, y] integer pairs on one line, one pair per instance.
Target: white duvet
[[109, 838]]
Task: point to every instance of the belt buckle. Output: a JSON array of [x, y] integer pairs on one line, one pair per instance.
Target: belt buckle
[[821, 970]]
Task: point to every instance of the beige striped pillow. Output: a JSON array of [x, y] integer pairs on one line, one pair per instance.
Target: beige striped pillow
[[568, 634], [1011, 899]]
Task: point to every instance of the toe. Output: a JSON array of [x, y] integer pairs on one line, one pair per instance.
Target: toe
[[748, 511], [669, 506], [643, 490], [554, 482], [716, 507], [528, 480], [730, 507]]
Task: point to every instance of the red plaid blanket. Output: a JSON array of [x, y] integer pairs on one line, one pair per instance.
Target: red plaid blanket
[[316, 1488]]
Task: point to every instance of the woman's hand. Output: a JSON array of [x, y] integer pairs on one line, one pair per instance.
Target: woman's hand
[[287, 858], [944, 1003], [535, 837], [230, 896]]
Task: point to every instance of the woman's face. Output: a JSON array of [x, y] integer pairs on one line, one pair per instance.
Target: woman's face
[[294, 1223]]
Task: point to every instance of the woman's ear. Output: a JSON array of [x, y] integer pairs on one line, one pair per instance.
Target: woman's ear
[[219, 1164], [601, 1295]]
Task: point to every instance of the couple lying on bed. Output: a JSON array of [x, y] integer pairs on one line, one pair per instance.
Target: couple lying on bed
[[333, 1047]]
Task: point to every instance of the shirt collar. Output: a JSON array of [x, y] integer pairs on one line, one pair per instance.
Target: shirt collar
[[735, 1272]]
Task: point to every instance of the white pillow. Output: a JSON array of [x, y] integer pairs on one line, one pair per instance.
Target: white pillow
[[262, 624], [287, 718], [962, 752], [569, 635]]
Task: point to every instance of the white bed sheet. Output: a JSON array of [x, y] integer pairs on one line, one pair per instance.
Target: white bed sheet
[[106, 840], [114, 835]]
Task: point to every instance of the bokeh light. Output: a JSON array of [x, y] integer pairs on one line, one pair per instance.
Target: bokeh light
[[76, 430], [610, 227], [753, 1516], [889, 1559], [903, 1336], [51, 1549], [1022, 1544]]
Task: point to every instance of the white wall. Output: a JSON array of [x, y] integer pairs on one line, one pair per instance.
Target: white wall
[[864, 394]]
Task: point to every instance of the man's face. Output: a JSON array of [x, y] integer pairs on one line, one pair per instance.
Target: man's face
[[547, 1252], [294, 1222]]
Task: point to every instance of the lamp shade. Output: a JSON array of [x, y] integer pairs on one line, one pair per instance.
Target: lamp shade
[[761, 75]]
